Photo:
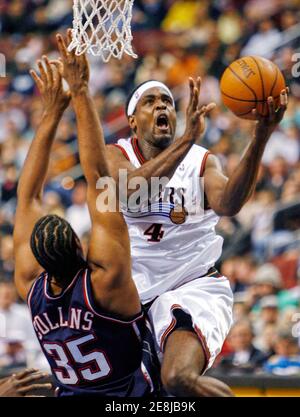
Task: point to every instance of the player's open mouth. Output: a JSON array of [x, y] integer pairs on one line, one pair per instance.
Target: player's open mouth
[[162, 122]]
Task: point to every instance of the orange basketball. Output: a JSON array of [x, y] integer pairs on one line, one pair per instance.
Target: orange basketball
[[248, 82]]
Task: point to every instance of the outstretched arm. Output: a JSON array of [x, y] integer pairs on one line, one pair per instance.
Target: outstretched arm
[[30, 187], [166, 163], [227, 196], [109, 248]]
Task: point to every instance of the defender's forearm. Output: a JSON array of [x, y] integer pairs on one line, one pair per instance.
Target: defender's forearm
[[90, 138], [36, 164], [242, 182]]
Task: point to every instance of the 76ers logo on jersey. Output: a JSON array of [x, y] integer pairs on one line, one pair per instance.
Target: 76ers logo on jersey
[[173, 196], [178, 215]]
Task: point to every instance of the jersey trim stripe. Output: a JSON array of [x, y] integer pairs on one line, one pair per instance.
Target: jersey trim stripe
[[147, 215], [64, 291], [136, 149], [92, 309], [136, 331], [170, 327], [29, 296], [198, 332], [202, 169], [122, 150], [215, 274], [147, 377], [204, 347], [204, 163]]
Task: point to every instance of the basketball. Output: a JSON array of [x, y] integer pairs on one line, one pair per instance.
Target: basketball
[[248, 82]]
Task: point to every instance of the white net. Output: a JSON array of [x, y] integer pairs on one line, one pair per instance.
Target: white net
[[102, 28]]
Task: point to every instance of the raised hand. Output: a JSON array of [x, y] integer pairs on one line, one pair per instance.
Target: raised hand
[[23, 384], [195, 116], [76, 69], [50, 85], [266, 125]]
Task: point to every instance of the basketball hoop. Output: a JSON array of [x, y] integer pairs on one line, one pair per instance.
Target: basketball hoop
[[102, 28]]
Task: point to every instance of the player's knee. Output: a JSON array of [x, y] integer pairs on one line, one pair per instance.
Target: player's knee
[[174, 380]]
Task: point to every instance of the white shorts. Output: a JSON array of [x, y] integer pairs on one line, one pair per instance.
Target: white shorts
[[208, 300]]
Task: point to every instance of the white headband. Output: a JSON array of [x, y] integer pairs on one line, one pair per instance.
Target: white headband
[[141, 90]]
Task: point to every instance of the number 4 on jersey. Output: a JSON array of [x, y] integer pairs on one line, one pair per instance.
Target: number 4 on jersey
[[155, 232]]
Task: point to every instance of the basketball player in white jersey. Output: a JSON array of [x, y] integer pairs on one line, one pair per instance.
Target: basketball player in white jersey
[[173, 253]]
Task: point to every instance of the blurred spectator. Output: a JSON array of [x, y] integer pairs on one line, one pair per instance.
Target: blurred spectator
[[240, 307], [266, 340], [262, 223], [278, 173], [6, 256], [181, 16], [286, 360], [267, 287], [245, 358], [289, 152], [18, 343], [269, 314], [240, 271], [9, 185], [148, 14], [203, 29], [267, 280], [230, 26], [264, 40], [53, 203], [78, 214]]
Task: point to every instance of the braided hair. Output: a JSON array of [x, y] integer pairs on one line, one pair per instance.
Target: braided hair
[[55, 246]]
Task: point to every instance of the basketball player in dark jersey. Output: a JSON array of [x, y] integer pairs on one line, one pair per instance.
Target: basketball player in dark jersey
[[86, 312]]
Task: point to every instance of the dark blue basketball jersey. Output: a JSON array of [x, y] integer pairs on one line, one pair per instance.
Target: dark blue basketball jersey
[[89, 351]]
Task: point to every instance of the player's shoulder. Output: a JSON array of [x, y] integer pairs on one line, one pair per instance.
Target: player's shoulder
[[119, 149], [120, 142], [197, 153], [119, 146], [208, 157], [199, 148], [203, 157]]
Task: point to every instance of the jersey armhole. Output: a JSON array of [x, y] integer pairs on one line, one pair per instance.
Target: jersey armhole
[[122, 150], [202, 168]]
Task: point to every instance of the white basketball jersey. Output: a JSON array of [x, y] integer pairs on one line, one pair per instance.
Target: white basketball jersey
[[170, 248]]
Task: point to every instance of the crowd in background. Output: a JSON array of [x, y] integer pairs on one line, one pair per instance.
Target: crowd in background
[[174, 40]]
